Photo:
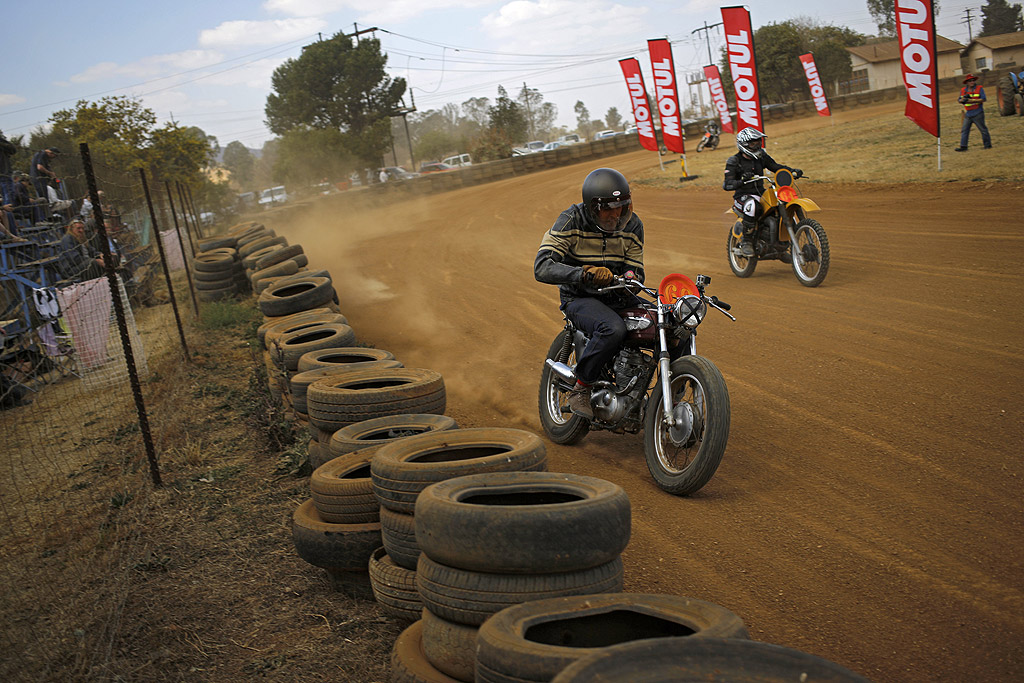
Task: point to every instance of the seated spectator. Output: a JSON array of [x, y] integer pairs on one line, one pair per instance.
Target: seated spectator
[[78, 260], [25, 207], [8, 230]]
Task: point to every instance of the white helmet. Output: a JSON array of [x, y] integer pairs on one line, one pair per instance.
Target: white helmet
[[749, 141]]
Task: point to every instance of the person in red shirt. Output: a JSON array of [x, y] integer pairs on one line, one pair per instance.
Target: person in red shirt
[[972, 96]]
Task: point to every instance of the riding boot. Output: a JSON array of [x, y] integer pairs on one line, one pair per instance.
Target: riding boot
[[747, 241]]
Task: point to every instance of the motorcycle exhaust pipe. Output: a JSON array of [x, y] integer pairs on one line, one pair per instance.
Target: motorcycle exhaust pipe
[[563, 371]]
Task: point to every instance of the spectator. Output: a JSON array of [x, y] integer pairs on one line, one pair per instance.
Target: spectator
[[26, 207], [8, 229], [972, 97], [78, 260], [41, 173], [383, 177], [7, 150]]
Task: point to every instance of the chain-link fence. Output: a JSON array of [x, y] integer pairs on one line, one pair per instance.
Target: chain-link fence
[[95, 299]]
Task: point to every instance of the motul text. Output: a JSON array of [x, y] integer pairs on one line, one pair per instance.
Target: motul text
[[814, 81], [915, 24], [638, 98], [740, 44], [665, 92], [714, 80]]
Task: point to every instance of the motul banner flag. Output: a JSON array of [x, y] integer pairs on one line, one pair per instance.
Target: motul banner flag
[[714, 80], [739, 40], [915, 24], [814, 80], [668, 97], [638, 97]]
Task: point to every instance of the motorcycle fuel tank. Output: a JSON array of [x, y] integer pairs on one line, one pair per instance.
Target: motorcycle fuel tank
[[640, 326]]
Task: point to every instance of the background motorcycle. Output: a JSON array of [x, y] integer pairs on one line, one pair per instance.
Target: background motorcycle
[[709, 141], [682, 406], [783, 224]]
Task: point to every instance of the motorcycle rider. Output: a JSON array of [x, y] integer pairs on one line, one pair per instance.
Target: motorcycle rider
[[751, 160], [714, 129], [588, 245]]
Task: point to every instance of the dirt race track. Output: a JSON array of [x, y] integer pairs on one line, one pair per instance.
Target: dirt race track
[[868, 508]]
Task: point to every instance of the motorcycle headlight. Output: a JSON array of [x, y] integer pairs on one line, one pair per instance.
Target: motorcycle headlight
[[690, 310]]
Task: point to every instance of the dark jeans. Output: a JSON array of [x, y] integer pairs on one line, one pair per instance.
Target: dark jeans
[[979, 121], [605, 329], [7, 189]]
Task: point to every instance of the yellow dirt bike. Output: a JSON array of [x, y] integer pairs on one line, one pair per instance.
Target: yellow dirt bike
[[783, 233]]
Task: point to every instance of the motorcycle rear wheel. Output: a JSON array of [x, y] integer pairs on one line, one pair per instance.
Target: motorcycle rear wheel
[[740, 265], [682, 460], [812, 242], [563, 428]]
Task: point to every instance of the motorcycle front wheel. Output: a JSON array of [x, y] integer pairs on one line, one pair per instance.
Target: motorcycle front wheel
[[683, 458], [702, 144], [812, 244], [561, 427], [740, 265]]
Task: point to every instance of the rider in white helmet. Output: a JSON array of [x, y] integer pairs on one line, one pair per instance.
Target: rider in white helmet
[[750, 160]]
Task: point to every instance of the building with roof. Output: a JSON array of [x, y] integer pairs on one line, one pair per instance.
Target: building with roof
[[877, 66], [985, 53]]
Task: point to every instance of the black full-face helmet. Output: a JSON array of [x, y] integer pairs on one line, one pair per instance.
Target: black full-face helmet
[[604, 189], [750, 141]]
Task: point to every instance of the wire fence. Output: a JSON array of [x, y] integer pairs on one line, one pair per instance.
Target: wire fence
[[91, 292]]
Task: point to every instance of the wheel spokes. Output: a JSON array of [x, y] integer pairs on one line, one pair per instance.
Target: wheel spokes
[[675, 458]]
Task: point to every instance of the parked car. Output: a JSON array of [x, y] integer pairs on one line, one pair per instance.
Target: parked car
[[434, 167], [606, 134], [551, 145], [570, 139], [535, 145], [399, 173], [272, 195], [458, 160]]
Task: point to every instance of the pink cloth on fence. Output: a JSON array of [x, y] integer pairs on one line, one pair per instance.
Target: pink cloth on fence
[[172, 250], [86, 308]]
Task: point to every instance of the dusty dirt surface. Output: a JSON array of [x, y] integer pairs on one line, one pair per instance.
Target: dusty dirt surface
[[868, 508]]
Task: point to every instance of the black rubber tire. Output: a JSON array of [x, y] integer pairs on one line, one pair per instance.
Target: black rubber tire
[[252, 247], [818, 245], [398, 533], [318, 455], [325, 336], [741, 266], [249, 261], [335, 547], [705, 659], [467, 597], [282, 324], [211, 243], [561, 427], [401, 469], [521, 522], [1004, 96], [709, 436], [450, 647], [703, 143], [535, 641], [347, 356], [217, 294], [384, 430], [295, 296], [1018, 104], [210, 276], [211, 285], [213, 262], [277, 256], [394, 587], [409, 664], [339, 401], [342, 488], [299, 382], [286, 267]]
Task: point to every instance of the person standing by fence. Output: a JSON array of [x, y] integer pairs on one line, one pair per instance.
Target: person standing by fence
[[972, 97]]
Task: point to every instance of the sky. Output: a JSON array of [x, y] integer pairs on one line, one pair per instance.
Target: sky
[[209, 64]]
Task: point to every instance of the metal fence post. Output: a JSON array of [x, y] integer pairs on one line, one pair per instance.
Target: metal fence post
[[163, 261], [181, 243]]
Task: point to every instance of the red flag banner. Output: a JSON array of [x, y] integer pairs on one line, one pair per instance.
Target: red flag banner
[[714, 80], [739, 40], [668, 97], [814, 80], [915, 24], [638, 97]]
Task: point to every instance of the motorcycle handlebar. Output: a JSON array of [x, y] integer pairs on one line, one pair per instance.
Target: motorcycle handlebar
[[721, 304]]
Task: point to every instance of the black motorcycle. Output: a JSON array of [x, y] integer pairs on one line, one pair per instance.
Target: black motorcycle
[[710, 139], [682, 406]]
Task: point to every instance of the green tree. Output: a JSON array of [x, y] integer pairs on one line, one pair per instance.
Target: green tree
[[338, 85], [239, 161], [613, 119], [999, 16], [475, 111], [507, 118], [178, 153], [583, 120], [883, 12], [117, 129]]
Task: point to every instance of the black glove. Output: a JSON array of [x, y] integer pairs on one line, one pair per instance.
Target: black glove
[[798, 173], [747, 176], [599, 276]]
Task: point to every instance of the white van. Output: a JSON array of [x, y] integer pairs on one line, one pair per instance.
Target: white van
[[458, 160]]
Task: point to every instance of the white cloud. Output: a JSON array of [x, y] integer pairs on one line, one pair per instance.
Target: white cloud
[[242, 33], [252, 75], [387, 12], [148, 67], [8, 100], [307, 8], [543, 25]]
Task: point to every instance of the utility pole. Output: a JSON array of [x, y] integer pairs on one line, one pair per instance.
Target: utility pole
[[707, 38], [967, 20], [529, 114]]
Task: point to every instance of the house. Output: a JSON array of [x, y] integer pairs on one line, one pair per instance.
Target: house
[[985, 53], [877, 66]]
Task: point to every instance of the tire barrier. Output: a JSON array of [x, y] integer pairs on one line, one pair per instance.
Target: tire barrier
[[300, 381], [343, 550], [324, 336], [338, 401], [384, 430], [394, 587], [295, 296], [409, 663], [536, 641], [661, 660], [342, 492]]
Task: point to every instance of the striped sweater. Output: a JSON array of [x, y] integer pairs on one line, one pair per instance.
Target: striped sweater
[[574, 242]]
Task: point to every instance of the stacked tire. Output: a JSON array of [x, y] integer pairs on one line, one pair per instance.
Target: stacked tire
[[494, 540], [216, 274]]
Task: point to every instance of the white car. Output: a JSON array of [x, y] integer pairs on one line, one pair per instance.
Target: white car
[[273, 195], [550, 146], [606, 134], [458, 160], [535, 145]]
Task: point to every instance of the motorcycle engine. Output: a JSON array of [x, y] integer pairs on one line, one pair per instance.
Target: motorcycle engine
[[612, 407]]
